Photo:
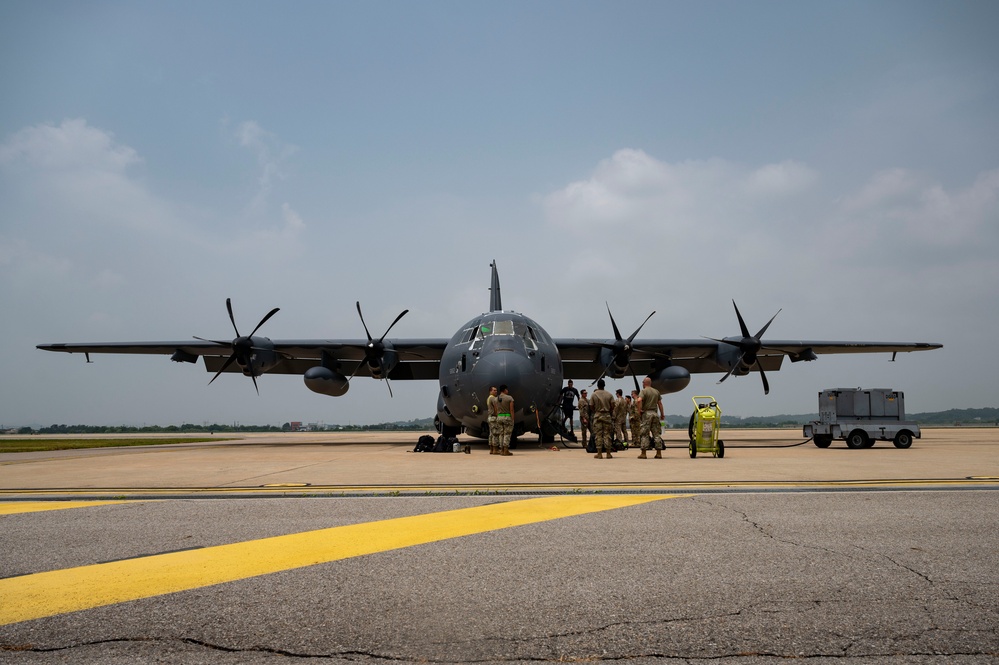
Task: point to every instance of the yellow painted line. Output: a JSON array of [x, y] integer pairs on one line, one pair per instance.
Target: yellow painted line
[[85, 587], [15, 508]]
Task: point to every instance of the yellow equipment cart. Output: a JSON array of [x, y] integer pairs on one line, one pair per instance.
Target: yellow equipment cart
[[705, 424]]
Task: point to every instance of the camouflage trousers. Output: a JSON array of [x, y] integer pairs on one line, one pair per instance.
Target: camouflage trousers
[[492, 431], [620, 432], [602, 431], [584, 429], [651, 425], [504, 430]]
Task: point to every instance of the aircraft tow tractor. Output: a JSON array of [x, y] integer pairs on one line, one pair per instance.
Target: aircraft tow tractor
[[705, 424]]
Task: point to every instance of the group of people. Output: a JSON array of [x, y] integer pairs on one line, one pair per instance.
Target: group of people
[[602, 414], [607, 417]]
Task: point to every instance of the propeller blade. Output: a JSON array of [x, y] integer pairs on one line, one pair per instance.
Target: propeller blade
[[729, 373], [404, 313], [264, 320], [742, 323], [602, 375], [225, 365], [635, 334], [213, 341], [362, 321], [763, 375], [228, 306], [617, 333], [759, 335]]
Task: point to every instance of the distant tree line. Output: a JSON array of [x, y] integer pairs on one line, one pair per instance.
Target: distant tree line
[[959, 417], [146, 429]]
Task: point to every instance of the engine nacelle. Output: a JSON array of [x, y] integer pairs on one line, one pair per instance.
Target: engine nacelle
[[729, 356], [325, 381], [610, 361], [671, 379]]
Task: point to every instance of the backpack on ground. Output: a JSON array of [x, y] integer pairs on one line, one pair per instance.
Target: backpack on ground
[[424, 444], [444, 444]]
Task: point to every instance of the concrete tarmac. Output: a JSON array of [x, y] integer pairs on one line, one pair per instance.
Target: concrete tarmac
[[379, 461], [776, 552]]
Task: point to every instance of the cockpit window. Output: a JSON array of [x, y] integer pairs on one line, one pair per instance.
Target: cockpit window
[[496, 328]]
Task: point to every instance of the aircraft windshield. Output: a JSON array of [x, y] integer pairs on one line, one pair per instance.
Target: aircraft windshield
[[496, 328]]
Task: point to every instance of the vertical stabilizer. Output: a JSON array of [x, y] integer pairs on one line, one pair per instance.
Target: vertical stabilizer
[[495, 302]]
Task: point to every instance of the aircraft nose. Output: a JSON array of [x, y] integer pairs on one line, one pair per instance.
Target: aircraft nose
[[511, 369]]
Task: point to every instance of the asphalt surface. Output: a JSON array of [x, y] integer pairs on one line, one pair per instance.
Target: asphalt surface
[[775, 552]]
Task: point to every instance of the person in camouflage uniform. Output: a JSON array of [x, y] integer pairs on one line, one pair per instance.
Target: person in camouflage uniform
[[634, 417], [650, 400], [620, 418], [602, 416], [584, 418], [491, 410], [504, 420]]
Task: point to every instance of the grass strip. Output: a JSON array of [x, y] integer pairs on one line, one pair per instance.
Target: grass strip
[[43, 445]]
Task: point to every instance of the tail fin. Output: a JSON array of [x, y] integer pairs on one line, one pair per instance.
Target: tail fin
[[495, 302]]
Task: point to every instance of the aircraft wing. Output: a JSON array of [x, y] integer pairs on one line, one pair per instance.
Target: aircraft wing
[[581, 357], [418, 358]]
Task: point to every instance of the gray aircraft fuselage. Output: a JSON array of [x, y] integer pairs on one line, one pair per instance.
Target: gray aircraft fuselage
[[494, 349]]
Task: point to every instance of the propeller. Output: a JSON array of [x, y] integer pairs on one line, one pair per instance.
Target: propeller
[[242, 347], [749, 346], [376, 349], [621, 348]]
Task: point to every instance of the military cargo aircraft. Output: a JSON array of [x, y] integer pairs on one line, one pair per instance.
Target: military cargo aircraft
[[494, 348]]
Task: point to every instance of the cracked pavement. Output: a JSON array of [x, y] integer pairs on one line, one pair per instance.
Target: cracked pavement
[[846, 577]]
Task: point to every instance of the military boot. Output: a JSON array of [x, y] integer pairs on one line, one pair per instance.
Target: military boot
[[599, 456], [493, 450], [659, 454], [609, 456], [643, 455], [506, 452]]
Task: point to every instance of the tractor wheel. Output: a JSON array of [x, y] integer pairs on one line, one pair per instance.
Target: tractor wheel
[[822, 440], [903, 439]]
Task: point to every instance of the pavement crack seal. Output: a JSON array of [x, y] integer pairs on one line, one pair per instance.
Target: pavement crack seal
[[27, 648], [923, 576], [589, 657]]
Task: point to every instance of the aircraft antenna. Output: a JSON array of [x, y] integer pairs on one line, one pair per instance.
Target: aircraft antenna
[[495, 302]]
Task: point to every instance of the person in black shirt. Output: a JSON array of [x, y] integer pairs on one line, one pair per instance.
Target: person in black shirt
[[568, 395]]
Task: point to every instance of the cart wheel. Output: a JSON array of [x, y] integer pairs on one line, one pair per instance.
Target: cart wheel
[[822, 440], [720, 452], [692, 449], [857, 439], [903, 439]]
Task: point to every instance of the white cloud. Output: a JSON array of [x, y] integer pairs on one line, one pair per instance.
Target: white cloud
[[73, 145], [633, 189], [271, 153], [898, 208]]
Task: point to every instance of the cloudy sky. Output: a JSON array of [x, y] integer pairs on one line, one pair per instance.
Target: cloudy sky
[[837, 160]]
